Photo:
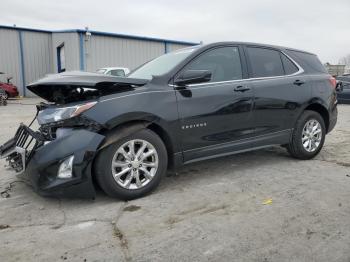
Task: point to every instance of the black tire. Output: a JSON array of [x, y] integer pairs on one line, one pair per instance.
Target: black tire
[[295, 147], [103, 163], [7, 95], [3, 95]]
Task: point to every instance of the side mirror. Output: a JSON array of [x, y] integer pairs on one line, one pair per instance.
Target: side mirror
[[193, 77], [9, 79]]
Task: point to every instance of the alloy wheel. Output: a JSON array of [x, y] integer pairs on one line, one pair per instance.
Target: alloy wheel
[[134, 164], [311, 135]]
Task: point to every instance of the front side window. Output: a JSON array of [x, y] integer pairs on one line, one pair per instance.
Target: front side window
[[265, 62], [224, 63]]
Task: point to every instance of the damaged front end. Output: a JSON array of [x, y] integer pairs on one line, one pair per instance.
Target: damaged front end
[[58, 157], [19, 150]]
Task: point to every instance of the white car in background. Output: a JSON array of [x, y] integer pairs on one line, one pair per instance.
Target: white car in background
[[114, 71]]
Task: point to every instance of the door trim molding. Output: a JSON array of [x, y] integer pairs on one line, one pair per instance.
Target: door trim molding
[[237, 146]]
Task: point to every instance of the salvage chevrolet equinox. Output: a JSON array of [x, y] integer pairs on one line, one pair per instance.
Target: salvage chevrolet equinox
[[192, 104]]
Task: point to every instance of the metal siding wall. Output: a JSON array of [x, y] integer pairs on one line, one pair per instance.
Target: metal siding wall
[[173, 47], [10, 57], [40, 53], [37, 50], [106, 51], [71, 49]]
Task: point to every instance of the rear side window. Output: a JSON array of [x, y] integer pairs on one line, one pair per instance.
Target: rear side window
[[265, 62], [224, 64], [308, 62], [289, 66]]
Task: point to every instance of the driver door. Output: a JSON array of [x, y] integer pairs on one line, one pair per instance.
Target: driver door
[[215, 115]]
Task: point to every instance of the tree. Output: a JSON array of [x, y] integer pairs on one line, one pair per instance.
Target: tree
[[345, 60]]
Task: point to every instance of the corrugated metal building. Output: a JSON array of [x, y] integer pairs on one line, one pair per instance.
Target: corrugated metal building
[[29, 54]]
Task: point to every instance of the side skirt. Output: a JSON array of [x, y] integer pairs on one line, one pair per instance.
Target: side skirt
[[244, 145]]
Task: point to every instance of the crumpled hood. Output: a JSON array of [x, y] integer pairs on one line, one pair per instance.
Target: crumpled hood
[[77, 85]]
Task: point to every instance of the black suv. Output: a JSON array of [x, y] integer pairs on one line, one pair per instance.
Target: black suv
[[192, 104]]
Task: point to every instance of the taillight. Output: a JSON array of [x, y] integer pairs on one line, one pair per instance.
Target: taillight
[[333, 81]]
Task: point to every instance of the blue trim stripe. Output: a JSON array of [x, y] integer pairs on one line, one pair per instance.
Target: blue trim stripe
[[23, 76], [145, 38], [166, 47], [81, 51], [25, 29]]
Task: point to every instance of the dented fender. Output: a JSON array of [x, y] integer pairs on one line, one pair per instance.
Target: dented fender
[[118, 133]]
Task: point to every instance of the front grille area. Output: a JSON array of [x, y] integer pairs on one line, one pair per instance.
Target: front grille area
[[28, 139], [19, 150]]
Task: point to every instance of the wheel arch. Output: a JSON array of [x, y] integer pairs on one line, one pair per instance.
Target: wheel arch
[[322, 110], [134, 124]]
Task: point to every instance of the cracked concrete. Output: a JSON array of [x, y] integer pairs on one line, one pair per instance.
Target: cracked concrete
[[208, 211], [123, 241]]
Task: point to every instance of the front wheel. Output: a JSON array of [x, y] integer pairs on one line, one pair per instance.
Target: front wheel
[[133, 166], [308, 136]]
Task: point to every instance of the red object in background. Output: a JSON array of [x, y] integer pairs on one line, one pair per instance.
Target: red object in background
[[10, 89], [333, 81]]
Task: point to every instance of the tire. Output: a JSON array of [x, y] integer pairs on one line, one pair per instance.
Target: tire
[[301, 133], [118, 187]]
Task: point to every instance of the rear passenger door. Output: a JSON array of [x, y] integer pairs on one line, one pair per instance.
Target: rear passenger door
[[280, 89]]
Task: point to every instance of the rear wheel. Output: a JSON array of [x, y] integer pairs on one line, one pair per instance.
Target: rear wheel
[[308, 136], [133, 166]]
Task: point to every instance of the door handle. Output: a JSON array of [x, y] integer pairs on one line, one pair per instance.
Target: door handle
[[298, 82], [241, 88]]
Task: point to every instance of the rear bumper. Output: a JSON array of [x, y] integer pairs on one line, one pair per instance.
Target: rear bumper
[[43, 166], [333, 118]]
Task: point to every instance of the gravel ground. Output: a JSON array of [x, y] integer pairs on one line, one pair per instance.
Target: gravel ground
[[257, 206]]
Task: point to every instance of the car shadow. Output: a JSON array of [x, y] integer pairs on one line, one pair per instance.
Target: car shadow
[[186, 174], [232, 167]]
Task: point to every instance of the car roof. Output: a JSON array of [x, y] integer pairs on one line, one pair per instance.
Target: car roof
[[251, 44]]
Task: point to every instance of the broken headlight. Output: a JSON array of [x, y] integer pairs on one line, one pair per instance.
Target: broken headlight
[[50, 115]]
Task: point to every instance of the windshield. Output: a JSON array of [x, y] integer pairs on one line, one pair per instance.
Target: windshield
[[161, 65]]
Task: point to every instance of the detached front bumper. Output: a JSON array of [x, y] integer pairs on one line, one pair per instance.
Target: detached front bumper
[[41, 165]]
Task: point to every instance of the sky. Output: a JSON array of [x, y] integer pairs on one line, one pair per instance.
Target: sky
[[318, 26]]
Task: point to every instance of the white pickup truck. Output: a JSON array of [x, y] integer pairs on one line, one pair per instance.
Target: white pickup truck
[[114, 71]]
